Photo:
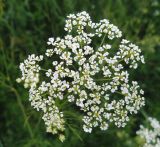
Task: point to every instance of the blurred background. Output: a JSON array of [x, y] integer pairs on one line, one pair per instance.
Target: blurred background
[[25, 26]]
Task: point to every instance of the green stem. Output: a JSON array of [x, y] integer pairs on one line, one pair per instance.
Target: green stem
[[103, 79], [23, 111], [144, 114], [103, 39], [119, 93], [75, 132]]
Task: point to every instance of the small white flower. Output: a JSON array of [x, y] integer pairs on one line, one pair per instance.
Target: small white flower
[[150, 135], [61, 137], [54, 63], [50, 41]]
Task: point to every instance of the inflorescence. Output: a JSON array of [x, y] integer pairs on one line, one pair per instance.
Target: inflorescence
[[151, 135], [92, 77]]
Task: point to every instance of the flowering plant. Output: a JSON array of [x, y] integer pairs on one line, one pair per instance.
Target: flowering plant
[[150, 135], [88, 73]]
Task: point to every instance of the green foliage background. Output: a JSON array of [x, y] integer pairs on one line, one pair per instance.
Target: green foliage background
[[25, 26]]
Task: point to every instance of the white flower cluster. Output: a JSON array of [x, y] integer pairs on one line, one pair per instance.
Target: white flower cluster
[[92, 77], [30, 70], [150, 135]]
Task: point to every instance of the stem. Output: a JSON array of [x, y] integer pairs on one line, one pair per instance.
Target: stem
[[23, 111], [101, 42], [119, 93], [103, 39], [75, 132], [43, 69], [65, 100], [103, 79], [144, 114]]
